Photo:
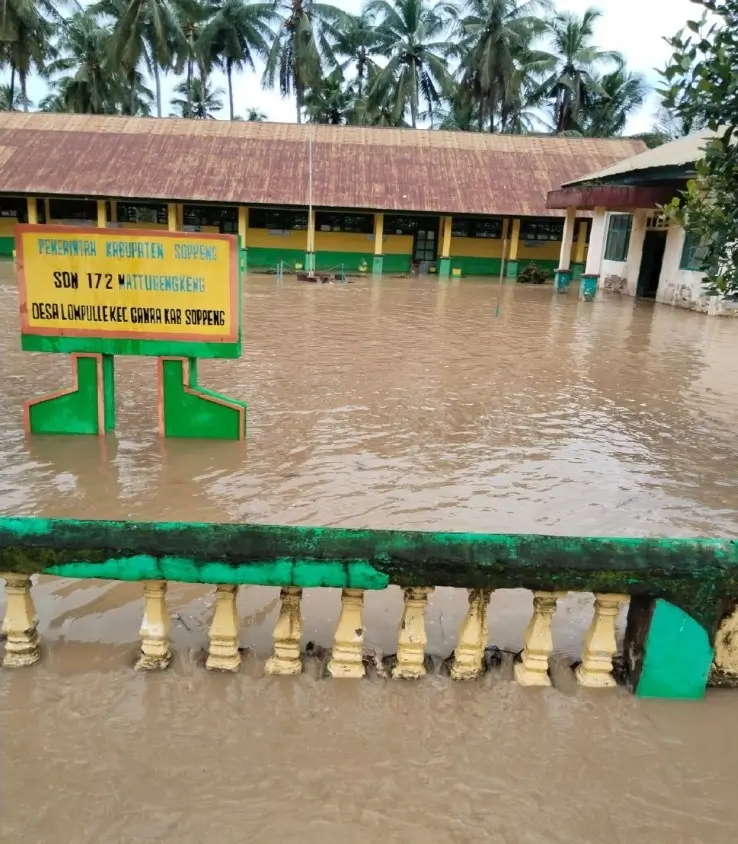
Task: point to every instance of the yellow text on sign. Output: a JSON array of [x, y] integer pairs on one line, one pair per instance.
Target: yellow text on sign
[[106, 283]]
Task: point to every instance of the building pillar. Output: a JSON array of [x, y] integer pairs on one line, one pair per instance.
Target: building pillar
[[577, 267], [172, 217], [511, 270], [102, 214], [310, 252], [562, 279], [596, 242], [243, 230], [444, 265], [378, 260], [32, 210]]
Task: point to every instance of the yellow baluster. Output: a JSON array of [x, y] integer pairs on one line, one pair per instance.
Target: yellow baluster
[[595, 669], [224, 654], [346, 659], [287, 635], [19, 624], [469, 654], [411, 639], [155, 650], [532, 670]]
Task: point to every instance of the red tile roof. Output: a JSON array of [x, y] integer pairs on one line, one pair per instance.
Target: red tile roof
[[267, 163]]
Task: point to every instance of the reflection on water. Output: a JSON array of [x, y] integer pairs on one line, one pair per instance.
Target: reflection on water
[[392, 404]]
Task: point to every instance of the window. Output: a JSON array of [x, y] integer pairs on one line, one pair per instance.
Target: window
[[618, 237], [327, 221], [693, 253], [486, 227], [73, 209], [224, 219], [148, 212], [16, 208], [264, 218], [396, 224], [542, 230]]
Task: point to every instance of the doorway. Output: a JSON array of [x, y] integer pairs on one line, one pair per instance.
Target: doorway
[[652, 259], [425, 243]]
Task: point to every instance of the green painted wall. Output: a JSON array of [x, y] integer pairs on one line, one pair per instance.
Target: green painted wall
[[263, 258], [394, 264], [470, 265], [7, 245], [351, 260]]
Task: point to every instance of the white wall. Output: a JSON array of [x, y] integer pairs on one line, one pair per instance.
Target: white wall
[[622, 276], [683, 288]]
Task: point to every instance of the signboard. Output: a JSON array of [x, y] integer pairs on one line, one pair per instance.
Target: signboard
[[117, 291]]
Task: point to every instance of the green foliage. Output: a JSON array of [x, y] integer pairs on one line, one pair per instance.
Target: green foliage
[[468, 65], [702, 90], [532, 274]]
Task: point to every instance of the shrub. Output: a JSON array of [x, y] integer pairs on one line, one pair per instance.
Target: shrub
[[532, 274]]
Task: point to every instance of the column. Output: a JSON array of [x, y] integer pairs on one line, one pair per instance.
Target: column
[[155, 651], [468, 657], [532, 670], [243, 227], [102, 214], [596, 242], [595, 669], [444, 265], [172, 217], [511, 271], [19, 624], [310, 252], [287, 634], [562, 278], [223, 653], [33, 211], [378, 260], [411, 638], [579, 249], [348, 641]]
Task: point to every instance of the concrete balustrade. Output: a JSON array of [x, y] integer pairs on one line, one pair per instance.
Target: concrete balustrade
[[682, 621]]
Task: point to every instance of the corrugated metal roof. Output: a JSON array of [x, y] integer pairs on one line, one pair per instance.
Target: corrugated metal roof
[[267, 163], [679, 153]]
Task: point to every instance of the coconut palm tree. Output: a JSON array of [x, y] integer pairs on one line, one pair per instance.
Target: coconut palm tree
[[623, 93], [14, 101], [572, 83], [302, 43], [357, 43], [413, 32], [192, 18], [330, 101], [82, 74], [255, 115], [493, 36], [25, 40], [200, 102], [146, 34], [238, 32]]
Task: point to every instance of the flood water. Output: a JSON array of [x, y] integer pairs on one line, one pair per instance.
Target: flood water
[[455, 405]]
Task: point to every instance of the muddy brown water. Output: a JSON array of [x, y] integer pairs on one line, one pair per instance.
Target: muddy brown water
[[397, 404]]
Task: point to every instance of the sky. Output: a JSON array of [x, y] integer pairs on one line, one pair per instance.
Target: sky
[[636, 28]]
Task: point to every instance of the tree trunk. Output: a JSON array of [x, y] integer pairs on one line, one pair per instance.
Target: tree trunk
[[189, 87], [12, 86], [22, 78], [229, 73], [157, 82]]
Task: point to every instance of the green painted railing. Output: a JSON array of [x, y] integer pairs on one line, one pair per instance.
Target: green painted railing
[[682, 592]]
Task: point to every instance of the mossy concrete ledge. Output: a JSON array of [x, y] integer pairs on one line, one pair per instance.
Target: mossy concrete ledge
[[680, 589]]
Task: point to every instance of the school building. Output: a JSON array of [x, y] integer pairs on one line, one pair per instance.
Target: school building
[[634, 250], [324, 197]]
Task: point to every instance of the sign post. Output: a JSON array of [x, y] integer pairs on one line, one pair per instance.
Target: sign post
[[97, 293]]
